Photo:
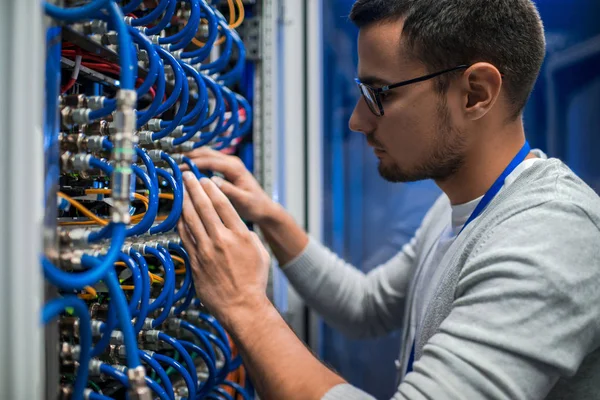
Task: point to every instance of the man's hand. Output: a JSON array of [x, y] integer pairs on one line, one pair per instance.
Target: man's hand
[[240, 186], [229, 263]]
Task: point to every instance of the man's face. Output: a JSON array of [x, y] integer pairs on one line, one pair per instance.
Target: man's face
[[418, 137]]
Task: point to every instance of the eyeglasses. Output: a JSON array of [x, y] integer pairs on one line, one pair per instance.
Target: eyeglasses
[[372, 95]]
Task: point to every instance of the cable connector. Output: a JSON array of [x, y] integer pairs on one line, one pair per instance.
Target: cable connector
[[138, 390], [123, 155], [154, 124], [187, 146], [166, 144], [155, 156], [95, 102]]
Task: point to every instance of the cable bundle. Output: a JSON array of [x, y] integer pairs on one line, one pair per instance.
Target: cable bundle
[[130, 322]]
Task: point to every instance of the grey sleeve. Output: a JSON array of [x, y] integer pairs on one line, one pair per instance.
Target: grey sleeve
[[525, 313], [358, 304]]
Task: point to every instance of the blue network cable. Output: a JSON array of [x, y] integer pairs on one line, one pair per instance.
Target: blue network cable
[[155, 365], [165, 20], [122, 308], [235, 74], [202, 338], [54, 308], [97, 272], [182, 38], [191, 367], [220, 63], [169, 282], [165, 298], [240, 390], [211, 381], [136, 276], [173, 216], [223, 393], [142, 313], [181, 370], [152, 15], [200, 54], [122, 378], [75, 13], [187, 280]]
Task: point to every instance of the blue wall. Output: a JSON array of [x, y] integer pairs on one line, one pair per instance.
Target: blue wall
[[368, 220]]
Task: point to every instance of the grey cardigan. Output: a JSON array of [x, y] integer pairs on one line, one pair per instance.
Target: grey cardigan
[[517, 315]]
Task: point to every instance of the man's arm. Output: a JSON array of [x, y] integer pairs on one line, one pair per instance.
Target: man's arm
[[230, 269], [359, 305], [280, 366]]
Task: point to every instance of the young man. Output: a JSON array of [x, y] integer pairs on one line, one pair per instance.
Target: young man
[[497, 294]]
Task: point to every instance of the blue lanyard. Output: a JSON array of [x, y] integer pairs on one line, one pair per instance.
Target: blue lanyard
[[493, 191], [485, 201]]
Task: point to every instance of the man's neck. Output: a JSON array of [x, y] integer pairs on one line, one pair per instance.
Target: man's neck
[[483, 166]]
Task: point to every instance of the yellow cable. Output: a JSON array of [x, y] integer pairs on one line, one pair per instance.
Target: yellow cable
[[180, 271], [84, 210], [90, 295], [178, 259], [127, 287], [95, 219], [232, 24], [241, 14], [155, 278]]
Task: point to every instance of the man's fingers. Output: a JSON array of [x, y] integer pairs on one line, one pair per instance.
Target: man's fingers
[[231, 167], [186, 237], [202, 204], [235, 194], [223, 206], [191, 219]]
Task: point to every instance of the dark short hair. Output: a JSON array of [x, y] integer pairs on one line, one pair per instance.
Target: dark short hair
[[446, 33]]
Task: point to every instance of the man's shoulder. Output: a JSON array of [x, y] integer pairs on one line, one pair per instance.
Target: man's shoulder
[[550, 187]]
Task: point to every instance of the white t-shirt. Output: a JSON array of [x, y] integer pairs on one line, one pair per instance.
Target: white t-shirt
[[427, 276]]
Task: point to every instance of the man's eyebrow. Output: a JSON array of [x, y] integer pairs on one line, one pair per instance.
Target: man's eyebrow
[[373, 81]]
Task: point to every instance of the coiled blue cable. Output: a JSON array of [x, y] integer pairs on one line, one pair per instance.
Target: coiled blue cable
[[182, 38], [169, 280], [201, 336], [187, 161], [148, 219], [122, 308], [225, 369], [188, 300], [142, 313], [171, 221], [165, 20], [155, 365], [75, 13], [191, 367], [211, 381], [54, 308], [77, 281], [131, 6], [97, 396], [168, 126], [187, 280], [152, 15], [165, 298], [177, 86], [220, 63], [235, 74], [223, 393], [200, 54], [122, 378], [181, 370], [240, 390], [136, 276]]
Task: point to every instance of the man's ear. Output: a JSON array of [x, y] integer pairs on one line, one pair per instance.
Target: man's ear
[[481, 85]]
